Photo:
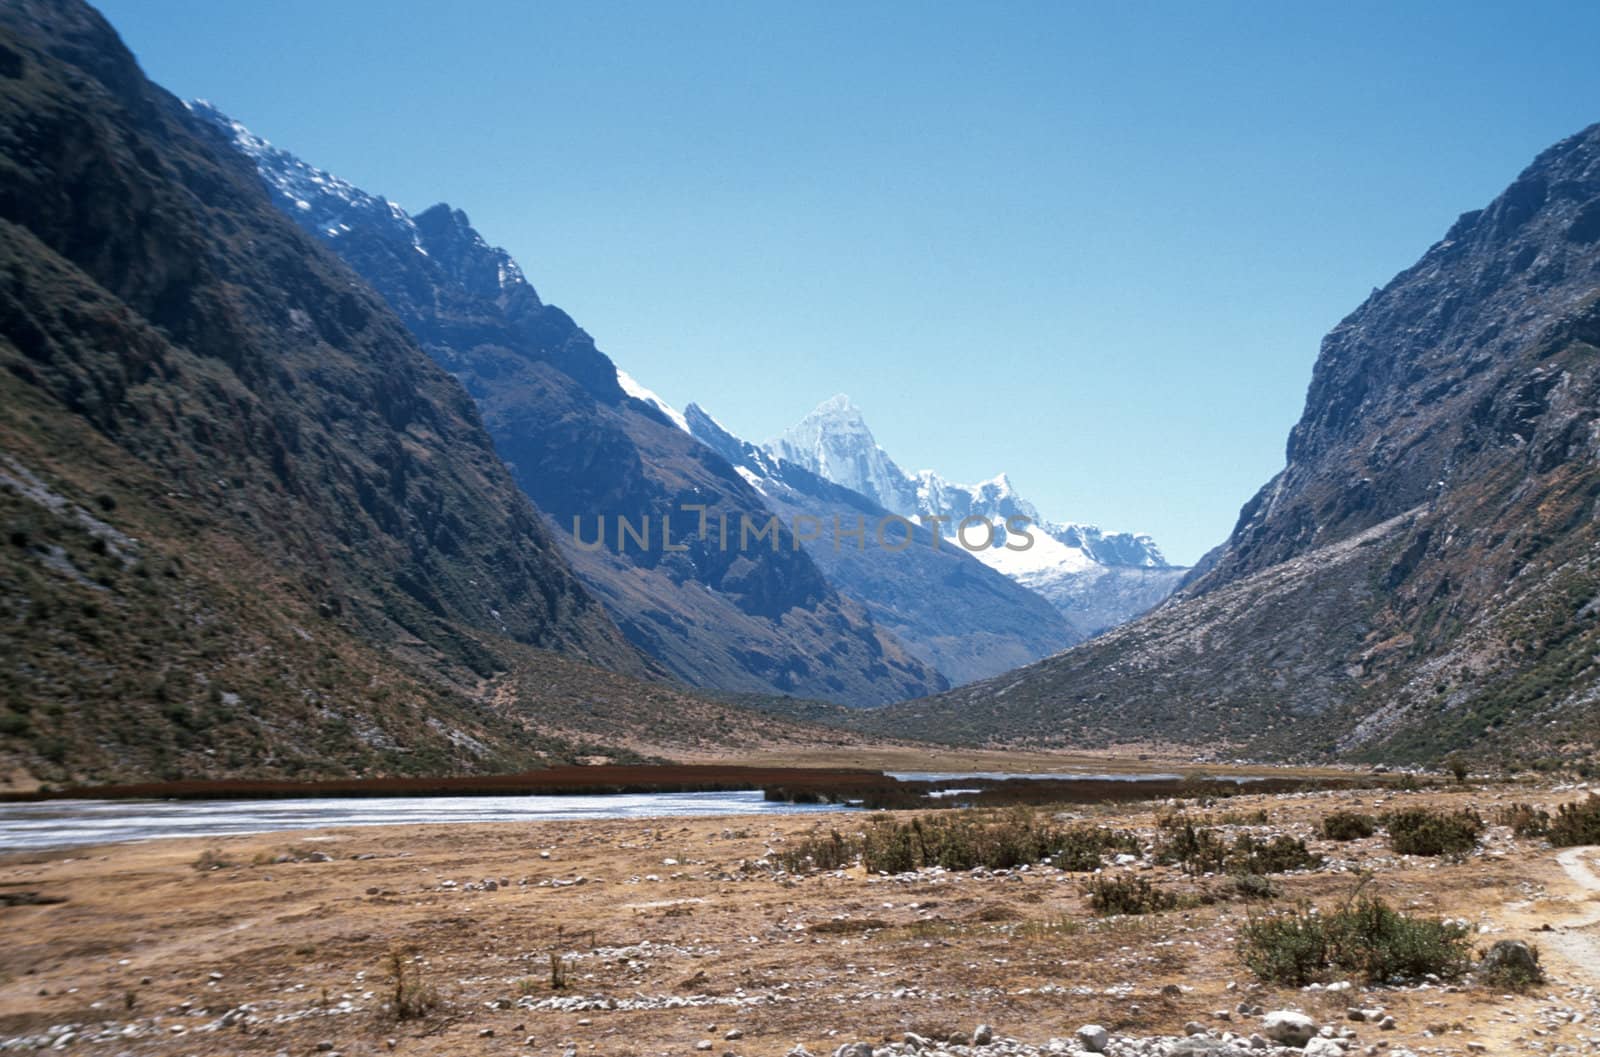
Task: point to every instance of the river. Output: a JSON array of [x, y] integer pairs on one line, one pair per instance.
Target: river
[[68, 823]]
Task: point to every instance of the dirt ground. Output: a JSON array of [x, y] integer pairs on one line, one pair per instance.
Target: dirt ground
[[671, 934]]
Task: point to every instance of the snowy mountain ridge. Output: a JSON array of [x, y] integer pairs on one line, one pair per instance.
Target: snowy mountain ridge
[[834, 442]]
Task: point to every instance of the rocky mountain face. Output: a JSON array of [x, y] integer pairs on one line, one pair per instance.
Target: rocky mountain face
[[1424, 574], [1096, 580], [951, 610], [250, 526], [723, 610]]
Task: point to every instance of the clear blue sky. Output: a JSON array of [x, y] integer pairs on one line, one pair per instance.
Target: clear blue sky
[[1093, 245]]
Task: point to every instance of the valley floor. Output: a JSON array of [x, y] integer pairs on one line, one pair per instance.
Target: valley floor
[[682, 935]]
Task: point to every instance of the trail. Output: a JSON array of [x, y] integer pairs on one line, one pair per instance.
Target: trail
[[1576, 939]]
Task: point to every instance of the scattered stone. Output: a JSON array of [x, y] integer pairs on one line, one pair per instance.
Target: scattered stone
[[982, 1035]]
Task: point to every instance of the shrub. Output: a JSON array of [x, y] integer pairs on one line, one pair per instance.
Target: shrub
[[1254, 887], [1127, 894], [1419, 831], [1278, 855], [1195, 849], [1289, 949], [1576, 824], [1365, 938], [212, 859], [412, 996], [832, 852], [1525, 820], [1348, 825], [559, 970], [961, 841]]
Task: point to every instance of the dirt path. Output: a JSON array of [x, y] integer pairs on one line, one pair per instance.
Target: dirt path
[[1576, 940]]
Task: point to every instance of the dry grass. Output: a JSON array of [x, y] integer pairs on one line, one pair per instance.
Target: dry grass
[[1025, 952]]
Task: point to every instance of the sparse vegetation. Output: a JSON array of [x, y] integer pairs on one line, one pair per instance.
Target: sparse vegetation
[[960, 841], [1200, 850], [559, 970], [1281, 854], [211, 859], [411, 996]]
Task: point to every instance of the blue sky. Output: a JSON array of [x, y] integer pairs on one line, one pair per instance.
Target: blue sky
[[1094, 246]]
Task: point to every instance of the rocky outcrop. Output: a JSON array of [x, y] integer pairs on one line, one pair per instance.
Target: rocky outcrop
[[251, 526], [1422, 576]]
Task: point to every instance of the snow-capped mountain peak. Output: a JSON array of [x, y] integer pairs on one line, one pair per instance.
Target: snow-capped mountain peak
[[834, 442]]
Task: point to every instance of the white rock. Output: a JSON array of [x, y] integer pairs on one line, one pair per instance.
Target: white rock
[[1288, 1027], [1094, 1038]]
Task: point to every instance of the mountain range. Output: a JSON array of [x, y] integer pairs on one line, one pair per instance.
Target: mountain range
[[746, 619], [587, 442], [295, 482]]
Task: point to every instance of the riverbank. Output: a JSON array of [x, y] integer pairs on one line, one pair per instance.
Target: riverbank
[[668, 933]]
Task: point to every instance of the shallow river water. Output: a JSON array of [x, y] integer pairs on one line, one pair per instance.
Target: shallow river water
[[63, 823]]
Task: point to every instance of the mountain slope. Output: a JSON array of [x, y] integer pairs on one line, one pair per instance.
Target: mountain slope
[[951, 610], [250, 528], [1095, 579], [755, 619], [1424, 575]]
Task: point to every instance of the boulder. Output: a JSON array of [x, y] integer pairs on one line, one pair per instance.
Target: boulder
[[1288, 1028], [1094, 1038], [1512, 957]]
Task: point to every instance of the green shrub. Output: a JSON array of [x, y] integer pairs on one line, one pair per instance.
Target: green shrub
[[1289, 948], [1278, 855], [1577, 823], [1366, 938], [1419, 831], [1127, 894], [832, 852], [1194, 849], [1348, 825]]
